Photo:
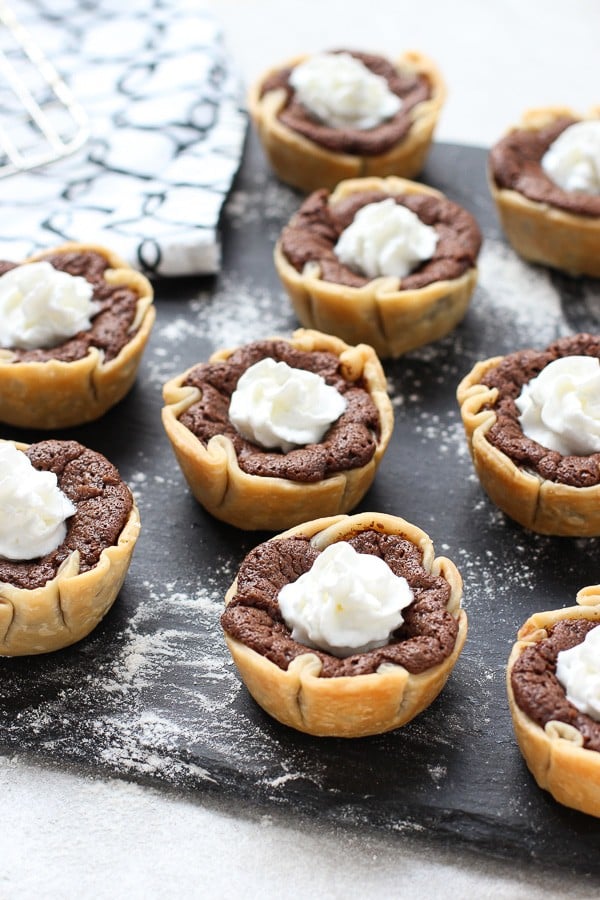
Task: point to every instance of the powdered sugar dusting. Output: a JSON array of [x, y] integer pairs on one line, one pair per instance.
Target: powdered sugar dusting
[[244, 311], [153, 693], [139, 730], [514, 294]]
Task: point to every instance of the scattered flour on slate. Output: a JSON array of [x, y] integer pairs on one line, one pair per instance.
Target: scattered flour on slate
[[515, 298], [243, 311], [437, 774], [146, 734], [448, 434], [240, 311], [162, 692], [277, 204]]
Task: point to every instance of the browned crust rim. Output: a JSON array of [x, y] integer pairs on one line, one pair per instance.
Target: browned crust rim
[[68, 607], [350, 706], [554, 754], [546, 234], [541, 505], [262, 502], [57, 394], [304, 164], [390, 320]]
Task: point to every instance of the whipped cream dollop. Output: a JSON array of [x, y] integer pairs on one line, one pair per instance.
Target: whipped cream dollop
[[41, 306], [33, 509], [347, 602], [572, 161], [385, 238], [277, 406], [342, 92], [578, 670], [560, 408]]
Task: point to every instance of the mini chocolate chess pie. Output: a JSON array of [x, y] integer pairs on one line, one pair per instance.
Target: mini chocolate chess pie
[[309, 154], [392, 314], [83, 376], [543, 222], [542, 489], [58, 598], [362, 693], [560, 743], [251, 487]]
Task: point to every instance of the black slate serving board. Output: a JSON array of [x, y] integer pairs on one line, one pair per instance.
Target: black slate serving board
[[152, 694]]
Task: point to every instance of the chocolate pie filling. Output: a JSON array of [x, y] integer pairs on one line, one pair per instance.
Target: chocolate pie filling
[[110, 327], [516, 164], [536, 688], [103, 503], [506, 433], [426, 637], [348, 444], [410, 87], [314, 230]]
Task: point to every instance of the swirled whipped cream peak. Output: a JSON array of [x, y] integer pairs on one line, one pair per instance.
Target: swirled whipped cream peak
[[578, 670], [560, 407], [385, 238], [342, 92], [33, 509], [277, 406], [41, 306], [572, 161], [347, 602]]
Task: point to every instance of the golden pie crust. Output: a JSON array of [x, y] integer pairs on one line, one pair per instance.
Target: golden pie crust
[[392, 321], [536, 503], [261, 502], [69, 606], [307, 165], [555, 754], [542, 233], [359, 705], [59, 394]]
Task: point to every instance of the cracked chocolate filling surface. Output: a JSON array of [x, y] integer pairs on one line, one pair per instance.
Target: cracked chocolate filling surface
[[516, 164], [110, 327], [537, 690], [508, 377], [426, 637], [410, 87], [314, 230], [103, 503], [349, 443]]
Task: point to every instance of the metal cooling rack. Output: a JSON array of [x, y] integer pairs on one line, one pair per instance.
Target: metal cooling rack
[[40, 119]]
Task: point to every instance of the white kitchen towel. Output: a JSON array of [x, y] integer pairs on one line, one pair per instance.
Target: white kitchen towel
[[167, 129]]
